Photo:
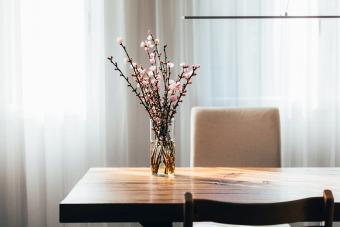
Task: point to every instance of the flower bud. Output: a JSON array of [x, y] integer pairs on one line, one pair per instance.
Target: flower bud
[[170, 65], [152, 68], [119, 40], [150, 73], [173, 98]]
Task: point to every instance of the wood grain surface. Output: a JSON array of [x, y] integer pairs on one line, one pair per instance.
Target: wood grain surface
[[134, 195]]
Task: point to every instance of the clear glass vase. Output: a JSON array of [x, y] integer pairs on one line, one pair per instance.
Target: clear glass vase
[[162, 148]]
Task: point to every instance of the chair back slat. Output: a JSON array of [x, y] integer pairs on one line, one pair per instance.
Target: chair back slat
[[329, 207], [314, 209], [188, 210]]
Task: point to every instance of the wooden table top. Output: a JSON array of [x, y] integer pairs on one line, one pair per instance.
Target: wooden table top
[[134, 195]]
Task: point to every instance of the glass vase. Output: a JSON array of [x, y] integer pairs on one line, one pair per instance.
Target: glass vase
[[162, 148]]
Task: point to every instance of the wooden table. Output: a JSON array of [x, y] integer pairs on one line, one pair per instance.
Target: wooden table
[[134, 195]]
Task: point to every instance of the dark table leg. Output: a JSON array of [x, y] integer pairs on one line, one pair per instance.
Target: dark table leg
[[156, 224]]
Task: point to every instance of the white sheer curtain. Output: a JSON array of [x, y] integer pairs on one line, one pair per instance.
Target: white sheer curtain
[[12, 163], [291, 64], [52, 106], [63, 109]]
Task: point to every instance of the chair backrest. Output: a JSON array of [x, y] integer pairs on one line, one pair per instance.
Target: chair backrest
[[235, 137], [304, 210]]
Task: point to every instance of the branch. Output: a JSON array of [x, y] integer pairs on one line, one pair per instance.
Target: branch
[[173, 111], [134, 90]]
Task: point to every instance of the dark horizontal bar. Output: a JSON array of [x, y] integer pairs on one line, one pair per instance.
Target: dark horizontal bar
[[262, 17]]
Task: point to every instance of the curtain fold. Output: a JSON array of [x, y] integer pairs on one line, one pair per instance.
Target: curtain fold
[[12, 158], [63, 109]]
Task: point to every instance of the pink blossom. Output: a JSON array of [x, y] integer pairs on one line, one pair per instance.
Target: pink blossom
[[146, 48], [152, 68], [142, 44], [175, 86], [172, 87], [119, 40], [149, 37], [145, 82], [126, 60], [148, 43], [178, 85], [158, 77], [170, 65], [152, 61], [187, 74], [157, 41], [173, 98], [150, 73], [141, 71], [152, 55], [153, 81], [196, 66]]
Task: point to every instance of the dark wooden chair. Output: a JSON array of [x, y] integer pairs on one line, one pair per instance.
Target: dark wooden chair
[[314, 209]]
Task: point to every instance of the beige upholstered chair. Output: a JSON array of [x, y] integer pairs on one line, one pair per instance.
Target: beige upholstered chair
[[235, 137]]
